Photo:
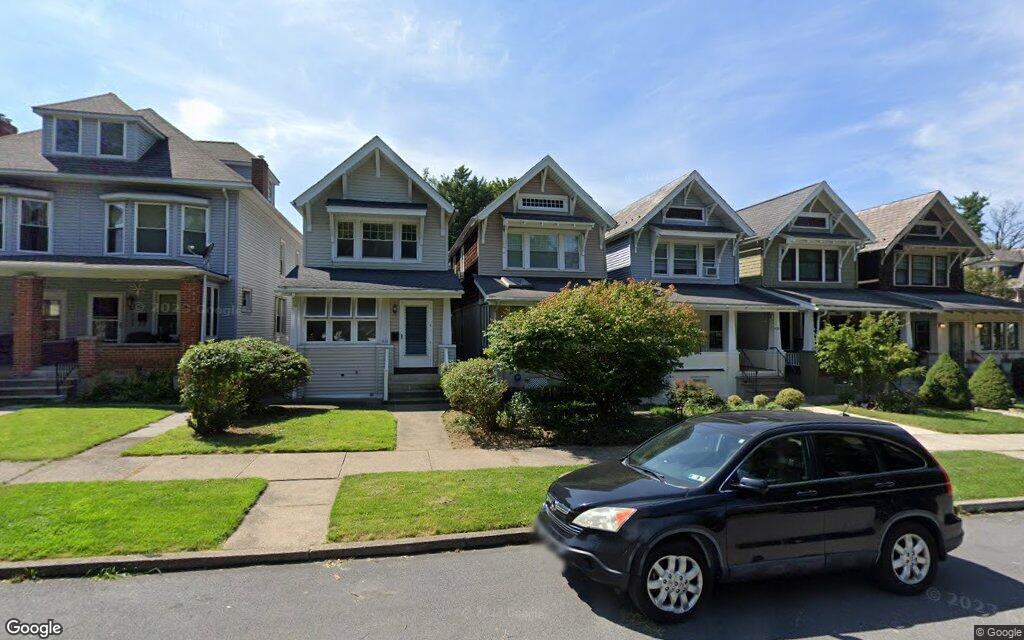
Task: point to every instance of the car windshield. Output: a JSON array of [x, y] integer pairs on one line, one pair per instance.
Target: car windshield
[[687, 454]]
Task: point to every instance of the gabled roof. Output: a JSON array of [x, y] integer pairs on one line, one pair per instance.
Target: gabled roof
[[105, 103], [1008, 255], [375, 144], [639, 213], [547, 162], [767, 218], [188, 160], [890, 222], [228, 151]]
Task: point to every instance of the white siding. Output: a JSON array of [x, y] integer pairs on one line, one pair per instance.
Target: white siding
[[344, 370]]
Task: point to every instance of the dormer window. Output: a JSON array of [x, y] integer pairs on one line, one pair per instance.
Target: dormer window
[[111, 140], [811, 222], [535, 202], [67, 135], [925, 229], [689, 214]]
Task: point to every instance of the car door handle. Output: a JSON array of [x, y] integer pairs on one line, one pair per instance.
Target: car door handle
[[806, 494], [889, 484]]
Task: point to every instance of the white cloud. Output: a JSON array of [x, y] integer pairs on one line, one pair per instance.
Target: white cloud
[[199, 118]]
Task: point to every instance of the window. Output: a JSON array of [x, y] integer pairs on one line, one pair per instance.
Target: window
[[105, 317], [897, 458], [378, 240], [684, 259], [166, 315], [787, 271], [212, 311], [115, 228], [811, 222], [35, 226], [280, 258], [410, 242], [544, 251], [193, 230], [809, 262], [921, 270], [67, 135], [246, 301], [280, 316], [810, 265], [922, 335], [571, 251], [543, 203], [843, 455], [716, 322], [779, 461], [831, 266], [151, 228], [351, 319], [684, 213], [661, 259], [346, 245], [901, 274], [924, 229], [941, 271], [709, 264], [999, 336], [515, 250], [52, 312], [111, 139]]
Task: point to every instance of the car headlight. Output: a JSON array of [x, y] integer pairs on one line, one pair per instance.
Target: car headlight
[[604, 518]]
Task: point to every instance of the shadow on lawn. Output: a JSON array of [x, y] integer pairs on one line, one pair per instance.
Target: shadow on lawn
[[262, 428]]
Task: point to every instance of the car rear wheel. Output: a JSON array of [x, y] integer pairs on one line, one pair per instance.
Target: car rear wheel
[[673, 582], [909, 559]]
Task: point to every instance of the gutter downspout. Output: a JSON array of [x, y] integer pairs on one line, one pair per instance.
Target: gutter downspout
[[202, 314], [227, 210]]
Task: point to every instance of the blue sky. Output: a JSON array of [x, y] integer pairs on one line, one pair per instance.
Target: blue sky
[[882, 99]]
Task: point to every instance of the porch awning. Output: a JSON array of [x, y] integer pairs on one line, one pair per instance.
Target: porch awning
[[371, 282], [710, 296], [374, 207], [104, 267], [853, 300], [522, 290], [948, 300]]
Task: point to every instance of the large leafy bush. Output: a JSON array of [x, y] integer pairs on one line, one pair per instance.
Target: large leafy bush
[[146, 386], [989, 387], [691, 398], [608, 344], [945, 385], [790, 398], [270, 369], [474, 387]]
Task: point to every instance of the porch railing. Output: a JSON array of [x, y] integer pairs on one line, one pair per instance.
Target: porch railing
[[748, 370], [61, 373]]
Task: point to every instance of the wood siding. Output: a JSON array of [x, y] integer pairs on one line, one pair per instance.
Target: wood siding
[[492, 248], [770, 269]]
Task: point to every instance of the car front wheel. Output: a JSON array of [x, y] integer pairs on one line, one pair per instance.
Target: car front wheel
[[672, 583], [909, 559]]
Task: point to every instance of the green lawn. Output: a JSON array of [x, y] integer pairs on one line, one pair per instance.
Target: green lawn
[[284, 431], [58, 432], [423, 503], [946, 420], [69, 519], [981, 474]]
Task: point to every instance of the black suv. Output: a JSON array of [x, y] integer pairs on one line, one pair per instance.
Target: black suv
[[733, 496]]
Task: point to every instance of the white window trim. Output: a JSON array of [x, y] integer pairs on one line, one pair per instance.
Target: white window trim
[[909, 257], [61, 296], [124, 227], [120, 311], [546, 196], [703, 214], [700, 260], [978, 330], [156, 306], [815, 214], [796, 258], [357, 239], [49, 226], [53, 145], [167, 229], [560, 235], [282, 305], [206, 232], [242, 307], [353, 319], [124, 139]]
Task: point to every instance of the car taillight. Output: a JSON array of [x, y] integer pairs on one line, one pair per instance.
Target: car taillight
[[949, 483]]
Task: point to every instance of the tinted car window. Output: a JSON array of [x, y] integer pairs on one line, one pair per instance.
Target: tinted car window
[[780, 460], [842, 455], [897, 458], [687, 454]]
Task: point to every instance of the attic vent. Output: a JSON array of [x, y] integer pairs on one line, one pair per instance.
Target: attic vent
[[544, 203], [515, 283]]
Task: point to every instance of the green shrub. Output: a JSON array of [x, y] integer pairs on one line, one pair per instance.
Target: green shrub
[[667, 412], [734, 401], [1017, 375], [845, 393], [790, 398], [144, 387], [520, 411], [694, 397], [212, 386], [269, 370], [473, 387], [945, 385], [894, 401], [761, 401], [989, 387]]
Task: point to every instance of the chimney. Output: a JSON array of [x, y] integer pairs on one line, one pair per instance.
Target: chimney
[[6, 128], [261, 176]]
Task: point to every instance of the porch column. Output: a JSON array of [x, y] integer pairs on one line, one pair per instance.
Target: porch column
[[908, 335], [775, 339], [28, 324], [809, 335], [88, 356], [730, 334], [446, 321], [190, 311]]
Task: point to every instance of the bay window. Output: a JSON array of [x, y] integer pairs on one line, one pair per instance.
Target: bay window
[[553, 251], [356, 239], [151, 228], [115, 228], [34, 233], [193, 230], [685, 259], [337, 319], [999, 336], [809, 265]]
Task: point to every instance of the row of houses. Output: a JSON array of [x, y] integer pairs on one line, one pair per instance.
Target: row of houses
[[123, 241]]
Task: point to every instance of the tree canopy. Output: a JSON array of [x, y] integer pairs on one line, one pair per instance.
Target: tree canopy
[[870, 355], [469, 194], [972, 207], [987, 283]]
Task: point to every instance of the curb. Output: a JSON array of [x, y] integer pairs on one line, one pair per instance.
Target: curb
[[992, 505], [221, 559]]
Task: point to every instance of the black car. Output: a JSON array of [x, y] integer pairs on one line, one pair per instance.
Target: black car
[[752, 494]]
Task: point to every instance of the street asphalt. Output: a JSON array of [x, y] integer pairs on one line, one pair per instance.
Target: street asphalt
[[520, 592]]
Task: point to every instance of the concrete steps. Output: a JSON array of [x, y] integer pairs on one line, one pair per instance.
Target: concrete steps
[[415, 388], [38, 387], [767, 383]]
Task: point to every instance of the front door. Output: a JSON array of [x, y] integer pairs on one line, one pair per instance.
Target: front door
[[956, 342], [415, 346]]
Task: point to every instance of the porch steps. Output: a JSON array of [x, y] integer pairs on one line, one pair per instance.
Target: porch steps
[[767, 384], [37, 387], [415, 388]]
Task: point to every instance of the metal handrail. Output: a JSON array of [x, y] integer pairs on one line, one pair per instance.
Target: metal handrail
[[780, 354], [746, 372], [61, 372]]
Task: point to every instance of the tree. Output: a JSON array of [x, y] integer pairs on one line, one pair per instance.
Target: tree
[[1005, 226], [870, 355], [972, 207], [468, 193], [608, 344], [945, 385], [988, 283], [989, 387]]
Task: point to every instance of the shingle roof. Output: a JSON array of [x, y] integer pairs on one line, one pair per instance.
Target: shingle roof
[[888, 221], [952, 300], [225, 150], [371, 280], [107, 261], [376, 204], [108, 103], [535, 290], [765, 217], [188, 160], [1008, 255], [628, 216], [854, 299], [717, 296]]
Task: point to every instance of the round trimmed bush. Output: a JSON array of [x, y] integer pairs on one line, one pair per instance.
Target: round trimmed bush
[[761, 401], [692, 396], [989, 387], [734, 401], [790, 398], [945, 385], [474, 387], [269, 369]]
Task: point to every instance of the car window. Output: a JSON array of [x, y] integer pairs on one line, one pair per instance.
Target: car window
[[897, 458], [687, 454], [780, 460], [843, 455]]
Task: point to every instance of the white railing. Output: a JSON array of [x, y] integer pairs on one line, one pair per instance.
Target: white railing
[[446, 353], [387, 370], [764, 359]]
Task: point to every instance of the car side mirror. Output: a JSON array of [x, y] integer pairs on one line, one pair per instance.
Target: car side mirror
[[752, 484]]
